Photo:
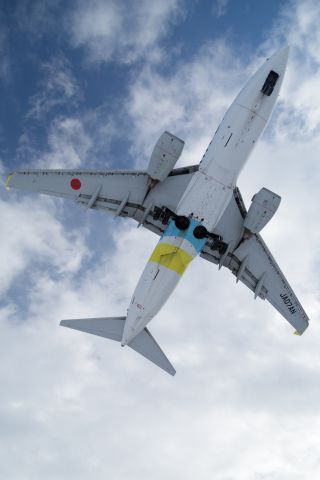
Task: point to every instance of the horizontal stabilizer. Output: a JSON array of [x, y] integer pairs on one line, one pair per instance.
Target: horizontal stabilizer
[[145, 344], [112, 328], [103, 327]]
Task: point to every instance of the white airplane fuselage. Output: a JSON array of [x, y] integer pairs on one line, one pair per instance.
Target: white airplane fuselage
[[207, 195]]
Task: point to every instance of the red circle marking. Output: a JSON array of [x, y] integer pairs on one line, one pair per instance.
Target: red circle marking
[[75, 184]]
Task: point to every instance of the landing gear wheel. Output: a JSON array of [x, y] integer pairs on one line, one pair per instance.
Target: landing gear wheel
[[200, 232], [182, 223]]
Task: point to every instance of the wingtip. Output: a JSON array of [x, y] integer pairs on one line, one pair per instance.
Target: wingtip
[[8, 181], [297, 333]]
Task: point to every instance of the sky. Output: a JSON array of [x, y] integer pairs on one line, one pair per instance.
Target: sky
[[92, 84]]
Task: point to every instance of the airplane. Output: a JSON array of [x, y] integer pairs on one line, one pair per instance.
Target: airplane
[[196, 210]]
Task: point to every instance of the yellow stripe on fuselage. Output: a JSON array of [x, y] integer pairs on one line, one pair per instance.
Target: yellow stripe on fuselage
[[171, 257]]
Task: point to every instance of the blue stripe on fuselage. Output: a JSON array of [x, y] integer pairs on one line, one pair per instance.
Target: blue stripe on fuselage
[[173, 231]]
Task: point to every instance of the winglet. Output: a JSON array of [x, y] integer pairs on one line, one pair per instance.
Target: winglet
[[7, 182]]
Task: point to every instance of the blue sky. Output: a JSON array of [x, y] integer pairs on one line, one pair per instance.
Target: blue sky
[[93, 84]]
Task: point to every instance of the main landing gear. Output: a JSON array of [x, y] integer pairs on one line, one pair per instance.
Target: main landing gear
[[215, 242], [182, 223]]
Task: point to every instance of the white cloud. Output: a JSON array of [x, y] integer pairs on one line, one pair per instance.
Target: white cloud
[[122, 31], [77, 393], [68, 143], [298, 23], [81, 140], [58, 87], [189, 102], [33, 237], [73, 139]]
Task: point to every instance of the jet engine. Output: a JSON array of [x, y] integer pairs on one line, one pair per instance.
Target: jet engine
[[264, 205], [164, 156]]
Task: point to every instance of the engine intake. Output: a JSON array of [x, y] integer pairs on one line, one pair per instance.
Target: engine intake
[[164, 156], [264, 205]]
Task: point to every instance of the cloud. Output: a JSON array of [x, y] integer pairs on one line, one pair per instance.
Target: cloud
[[57, 87], [121, 31], [75, 390], [190, 101], [59, 130], [32, 235], [69, 144], [118, 31], [297, 27], [72, 141]]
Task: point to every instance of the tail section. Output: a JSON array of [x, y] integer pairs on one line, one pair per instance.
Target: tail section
[[112, 328], [103, 327], [145, 344]]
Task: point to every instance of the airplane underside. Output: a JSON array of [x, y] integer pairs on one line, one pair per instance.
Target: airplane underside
[[196, 210]]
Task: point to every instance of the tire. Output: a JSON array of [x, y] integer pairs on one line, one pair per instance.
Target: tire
[[200, 232], [182, 223]]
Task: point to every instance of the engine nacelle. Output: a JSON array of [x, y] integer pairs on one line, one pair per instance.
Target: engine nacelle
[[164, 156], [264, 205]]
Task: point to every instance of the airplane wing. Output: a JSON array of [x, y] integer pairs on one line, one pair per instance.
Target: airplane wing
[[253, 264], [121, 193], [124, 193]]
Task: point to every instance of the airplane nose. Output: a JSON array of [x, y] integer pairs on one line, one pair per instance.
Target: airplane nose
[[283, 51], [280, 57]]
